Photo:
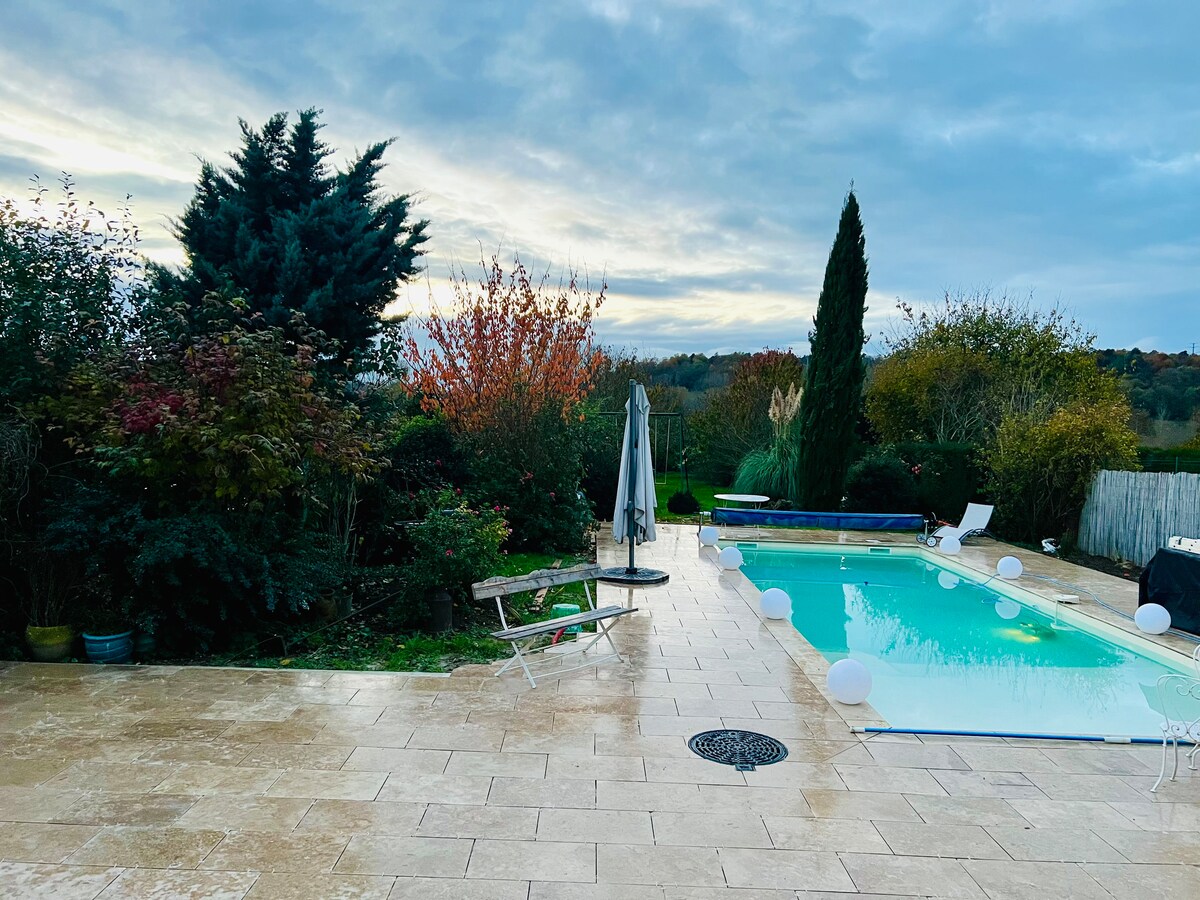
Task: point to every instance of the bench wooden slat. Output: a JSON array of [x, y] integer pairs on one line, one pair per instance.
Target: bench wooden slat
[[499, 586], [551, 625]]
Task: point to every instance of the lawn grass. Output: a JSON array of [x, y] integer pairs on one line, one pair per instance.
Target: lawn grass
[[673, 481], [364, 645]]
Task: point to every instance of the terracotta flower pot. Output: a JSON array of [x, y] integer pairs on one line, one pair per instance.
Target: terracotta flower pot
[[52, 644]]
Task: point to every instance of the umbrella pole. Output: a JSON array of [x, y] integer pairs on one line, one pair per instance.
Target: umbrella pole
[[631, 493], [631, 575]]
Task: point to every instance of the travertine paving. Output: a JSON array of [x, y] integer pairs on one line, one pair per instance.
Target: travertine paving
[[163, 782]]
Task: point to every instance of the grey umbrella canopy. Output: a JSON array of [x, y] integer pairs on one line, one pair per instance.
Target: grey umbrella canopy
[[633, 515]]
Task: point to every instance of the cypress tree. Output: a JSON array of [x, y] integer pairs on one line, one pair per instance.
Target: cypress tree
[[281, 230], [834, 376]]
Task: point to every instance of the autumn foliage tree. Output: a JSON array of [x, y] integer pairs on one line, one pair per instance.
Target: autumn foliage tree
[[508, 367], [511, 346]]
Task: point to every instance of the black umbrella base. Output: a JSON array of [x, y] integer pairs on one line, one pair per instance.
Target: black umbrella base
[[638, 577]]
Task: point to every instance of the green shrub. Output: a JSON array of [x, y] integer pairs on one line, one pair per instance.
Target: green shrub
[[1041, 469], [601, 462], [455, 546], [947, 476], [771, 472], [683, 503], [880, 483]]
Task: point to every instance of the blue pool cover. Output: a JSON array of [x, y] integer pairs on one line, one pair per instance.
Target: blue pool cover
[[725, 515]]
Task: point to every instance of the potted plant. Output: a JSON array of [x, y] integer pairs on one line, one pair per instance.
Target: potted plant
[[52, 582], [108, 637]]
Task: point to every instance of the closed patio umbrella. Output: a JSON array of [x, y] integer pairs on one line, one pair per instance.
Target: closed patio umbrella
[[633, 515]]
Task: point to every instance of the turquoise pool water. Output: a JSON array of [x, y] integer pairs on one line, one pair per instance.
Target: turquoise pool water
[[946, 653]]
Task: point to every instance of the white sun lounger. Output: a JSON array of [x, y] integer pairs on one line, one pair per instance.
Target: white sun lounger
[[974, 521]]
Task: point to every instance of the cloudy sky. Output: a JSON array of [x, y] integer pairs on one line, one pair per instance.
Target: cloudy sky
[[695, 153]]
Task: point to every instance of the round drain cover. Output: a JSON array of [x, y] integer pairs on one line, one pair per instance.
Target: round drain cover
[[741, 749]]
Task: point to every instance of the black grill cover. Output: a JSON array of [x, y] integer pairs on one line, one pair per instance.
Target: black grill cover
[[1172, 580]]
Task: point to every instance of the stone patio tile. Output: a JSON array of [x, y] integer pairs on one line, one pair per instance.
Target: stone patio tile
[[1073, 813], [31, 881], [604, 826], [390, 759], [637, 795], [366, 680], [802, 833], [320, 784], [377, 854], [785, 870], [469, 789], [860, 805], [38, 843], [303, 852], [218, 780], [889, 779], [533, 860], [716, 828], [1165, 847], [959, 841], [557, 793], [642, 864], [162, 884], [791, 774], [501, 822], [543, 890], [407, 888], [914, 875], [1035, 880], [1130, 882], [147, 847], [683, 726], [1160, 816], [995, 757], [103, 808], [349, 817], [965, 810], [702, 676], [1005, 785], [919, 756], [677, 690], [42, 804], [116, 777], [1057, 844], [395, 736], [1099, 761], [517, 741], [300, 756], [1059, 786], [339, 716], [692, 771], [271, 732], [234, 812], [218, 753], [668, 746], [461, 737], [596, 768], [283, 886], [514, 765], [178, 729]]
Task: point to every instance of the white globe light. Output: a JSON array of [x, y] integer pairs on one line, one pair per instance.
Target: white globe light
[[730, 558], [1009, 567], [709, 535], [1008, 609], [775, 604], [950, 545], [849, 681], [1152, 618], [948, 580]]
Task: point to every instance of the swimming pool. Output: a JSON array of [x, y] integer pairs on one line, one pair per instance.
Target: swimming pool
[[947, 653]]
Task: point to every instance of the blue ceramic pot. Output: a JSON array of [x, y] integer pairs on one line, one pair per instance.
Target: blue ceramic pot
[[109, 648]]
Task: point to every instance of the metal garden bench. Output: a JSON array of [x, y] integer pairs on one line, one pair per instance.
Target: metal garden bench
[[522, 637]]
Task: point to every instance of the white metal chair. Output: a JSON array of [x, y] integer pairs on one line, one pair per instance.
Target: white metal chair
[[1179, 702], [974, 521]]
